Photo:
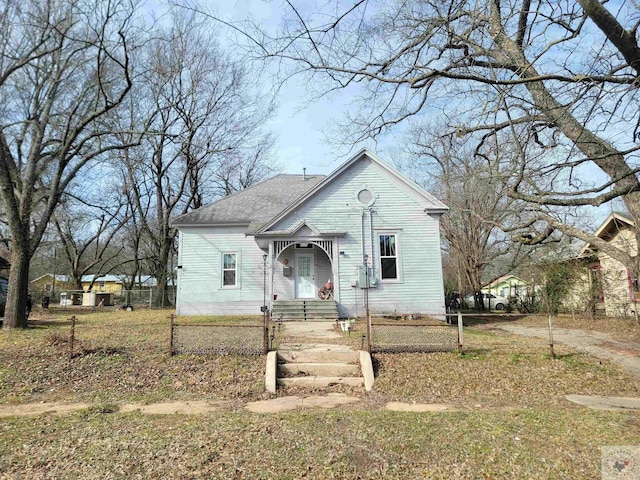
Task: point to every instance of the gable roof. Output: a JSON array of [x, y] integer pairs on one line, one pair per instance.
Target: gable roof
[[434, 205], [608, 229], [59, 278], [102, 278], [502, 279], [262, 206], [253, 206]]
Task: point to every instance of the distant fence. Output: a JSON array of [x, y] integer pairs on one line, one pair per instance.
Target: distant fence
[[402, 337], [218, 339], [138, 297]]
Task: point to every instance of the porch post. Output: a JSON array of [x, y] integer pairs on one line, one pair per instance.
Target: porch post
[[271, 269], [335, 268]]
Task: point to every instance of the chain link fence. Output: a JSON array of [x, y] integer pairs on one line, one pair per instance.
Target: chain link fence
[[218, 339], [396, 337]]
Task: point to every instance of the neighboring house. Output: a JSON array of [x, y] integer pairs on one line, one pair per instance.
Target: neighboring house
[[103, 283], [310, 230], [506, 286], [45, 283], [606, 282]]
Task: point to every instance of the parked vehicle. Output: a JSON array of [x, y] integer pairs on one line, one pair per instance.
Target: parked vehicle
[[4, 286], [491, 301]]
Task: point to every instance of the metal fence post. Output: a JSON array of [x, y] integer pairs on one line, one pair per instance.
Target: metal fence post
[[369, 329], [265, 344], [171, 349], [72, 336], [460, 333]]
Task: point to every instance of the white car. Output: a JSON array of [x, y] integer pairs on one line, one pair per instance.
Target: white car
[[491, 301]]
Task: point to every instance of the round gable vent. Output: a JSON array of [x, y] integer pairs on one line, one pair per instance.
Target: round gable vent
[[365, 197]]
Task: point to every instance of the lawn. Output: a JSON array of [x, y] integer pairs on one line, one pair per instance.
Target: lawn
[[513, 420]]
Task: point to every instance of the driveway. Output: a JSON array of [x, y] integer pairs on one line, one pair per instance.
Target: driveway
[[598, 344]]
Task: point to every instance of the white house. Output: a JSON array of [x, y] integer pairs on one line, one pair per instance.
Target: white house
[[288, 237]]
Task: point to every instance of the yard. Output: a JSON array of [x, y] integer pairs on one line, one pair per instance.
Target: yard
[[512, 420]]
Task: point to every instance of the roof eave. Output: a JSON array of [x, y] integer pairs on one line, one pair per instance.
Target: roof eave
[[245, 223]]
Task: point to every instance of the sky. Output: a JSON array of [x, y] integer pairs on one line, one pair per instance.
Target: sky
[[297, 124]]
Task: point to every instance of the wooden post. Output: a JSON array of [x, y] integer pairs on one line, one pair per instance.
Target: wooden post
[[553, 353], [72, 336], [171, 350], [460, 334]]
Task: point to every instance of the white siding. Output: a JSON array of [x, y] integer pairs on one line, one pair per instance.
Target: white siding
[[200, 290], [615, 278], [397, 209]]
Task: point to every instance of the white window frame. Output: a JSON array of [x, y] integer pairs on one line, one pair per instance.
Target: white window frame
[[398, 256], [236, 269]]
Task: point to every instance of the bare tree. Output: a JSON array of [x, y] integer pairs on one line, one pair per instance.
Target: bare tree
[[475, 190], [205, 137], [557, 81], [89, 237], [64, 65]]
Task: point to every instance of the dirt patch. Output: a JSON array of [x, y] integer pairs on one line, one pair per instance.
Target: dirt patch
[[174, 408], [286, 404], [33, 409]]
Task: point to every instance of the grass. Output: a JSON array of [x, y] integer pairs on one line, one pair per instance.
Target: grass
[[516, 424], [338, 444], [623, 329], [119, 357]]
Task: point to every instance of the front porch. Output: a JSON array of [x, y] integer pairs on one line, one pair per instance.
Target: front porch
[[302, 271]]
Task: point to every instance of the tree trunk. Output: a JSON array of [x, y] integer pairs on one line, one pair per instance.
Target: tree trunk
[[161, 298], [16, 306]]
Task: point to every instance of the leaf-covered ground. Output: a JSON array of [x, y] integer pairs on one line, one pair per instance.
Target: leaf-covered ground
[[518, 424], [540, 444]]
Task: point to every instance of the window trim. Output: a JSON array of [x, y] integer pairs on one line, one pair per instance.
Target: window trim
[[398, 257], [236, 269]]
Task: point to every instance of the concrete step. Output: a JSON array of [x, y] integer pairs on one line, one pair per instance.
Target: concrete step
[[318, 354], [319, 382], [319, 369]]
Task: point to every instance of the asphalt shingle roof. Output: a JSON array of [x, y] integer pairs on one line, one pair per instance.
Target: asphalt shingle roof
[[255, 205]]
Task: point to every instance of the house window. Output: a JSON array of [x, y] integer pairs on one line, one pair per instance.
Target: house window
[[102, 285], [229, 270], [634, 286], [388, 244]]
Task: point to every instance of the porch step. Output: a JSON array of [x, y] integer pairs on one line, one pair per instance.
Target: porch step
[[300, 310], [319, 369], [320, 382], [319, 354]]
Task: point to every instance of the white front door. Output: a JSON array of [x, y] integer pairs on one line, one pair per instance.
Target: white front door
[[305, 280]]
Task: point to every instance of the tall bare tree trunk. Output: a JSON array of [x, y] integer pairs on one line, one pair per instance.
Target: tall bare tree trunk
[[15, 311]]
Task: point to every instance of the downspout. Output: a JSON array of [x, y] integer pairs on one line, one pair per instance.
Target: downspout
[[373, 257], [362, 259], [362, 236]]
